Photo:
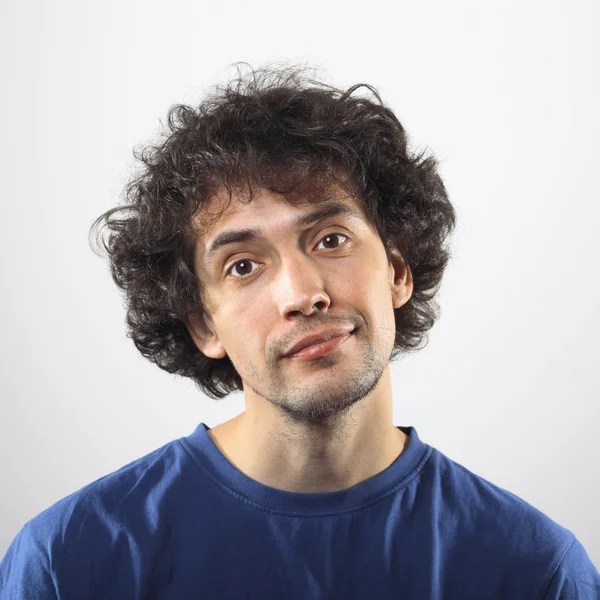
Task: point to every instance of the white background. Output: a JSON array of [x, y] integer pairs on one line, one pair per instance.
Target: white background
[[506, 94]]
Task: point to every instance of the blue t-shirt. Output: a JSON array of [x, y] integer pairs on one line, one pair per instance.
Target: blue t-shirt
[[183, 522]]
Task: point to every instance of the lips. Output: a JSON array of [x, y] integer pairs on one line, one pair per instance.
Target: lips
[[319, 350], [317, 338]]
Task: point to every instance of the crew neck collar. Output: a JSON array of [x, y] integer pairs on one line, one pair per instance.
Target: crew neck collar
[[212, 462]]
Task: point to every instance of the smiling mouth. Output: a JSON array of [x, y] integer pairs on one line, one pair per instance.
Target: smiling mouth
[[320, 349]]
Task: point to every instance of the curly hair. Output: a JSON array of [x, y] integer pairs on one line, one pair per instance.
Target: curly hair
[[279, 130]]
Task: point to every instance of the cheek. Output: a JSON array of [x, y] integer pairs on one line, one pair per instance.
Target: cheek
[[364, 284], [253, 323], [245, 328]]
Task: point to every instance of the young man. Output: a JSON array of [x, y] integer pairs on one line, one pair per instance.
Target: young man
[[282, 241]]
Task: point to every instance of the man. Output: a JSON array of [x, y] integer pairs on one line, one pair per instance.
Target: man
[[282, 241]]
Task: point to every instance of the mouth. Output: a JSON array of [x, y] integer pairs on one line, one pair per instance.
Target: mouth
[[320, 349]]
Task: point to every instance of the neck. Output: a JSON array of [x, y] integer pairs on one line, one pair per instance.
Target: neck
[[314, 459]]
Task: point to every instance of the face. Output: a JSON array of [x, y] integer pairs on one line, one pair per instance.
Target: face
[[263, 295]]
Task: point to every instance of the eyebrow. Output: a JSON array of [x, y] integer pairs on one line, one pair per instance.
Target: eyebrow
[[330, 209]]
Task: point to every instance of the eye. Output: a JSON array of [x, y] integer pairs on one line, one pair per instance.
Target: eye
[[245, 262], [333, 235]]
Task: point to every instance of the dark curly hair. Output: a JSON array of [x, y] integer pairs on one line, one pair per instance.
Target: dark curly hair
[[277, 129]]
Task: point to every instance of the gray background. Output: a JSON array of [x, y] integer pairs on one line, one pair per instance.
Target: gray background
[[505, 94]]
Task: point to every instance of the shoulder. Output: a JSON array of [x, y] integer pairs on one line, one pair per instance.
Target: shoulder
[[59, 546], [505, 538], [468, 493], [103, 495], [502, 526], [94, 511], [576, 577]]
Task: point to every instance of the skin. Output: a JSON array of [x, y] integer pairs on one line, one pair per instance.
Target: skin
[[309, 426]]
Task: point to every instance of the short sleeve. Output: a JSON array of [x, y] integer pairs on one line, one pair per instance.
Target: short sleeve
[[24, 573], [576, 577]]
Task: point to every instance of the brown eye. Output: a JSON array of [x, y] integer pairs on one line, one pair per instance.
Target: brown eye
[[331, 236], [242, 267]]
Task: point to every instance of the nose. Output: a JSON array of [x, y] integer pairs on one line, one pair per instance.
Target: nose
[[301, 287]]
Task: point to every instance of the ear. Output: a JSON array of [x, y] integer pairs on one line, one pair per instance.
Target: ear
[[204, 334], [401, 281]]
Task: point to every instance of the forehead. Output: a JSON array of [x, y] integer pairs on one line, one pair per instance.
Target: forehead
[[224, 206]]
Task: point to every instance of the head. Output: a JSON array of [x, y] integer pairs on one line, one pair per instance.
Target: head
[[265, 152]]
